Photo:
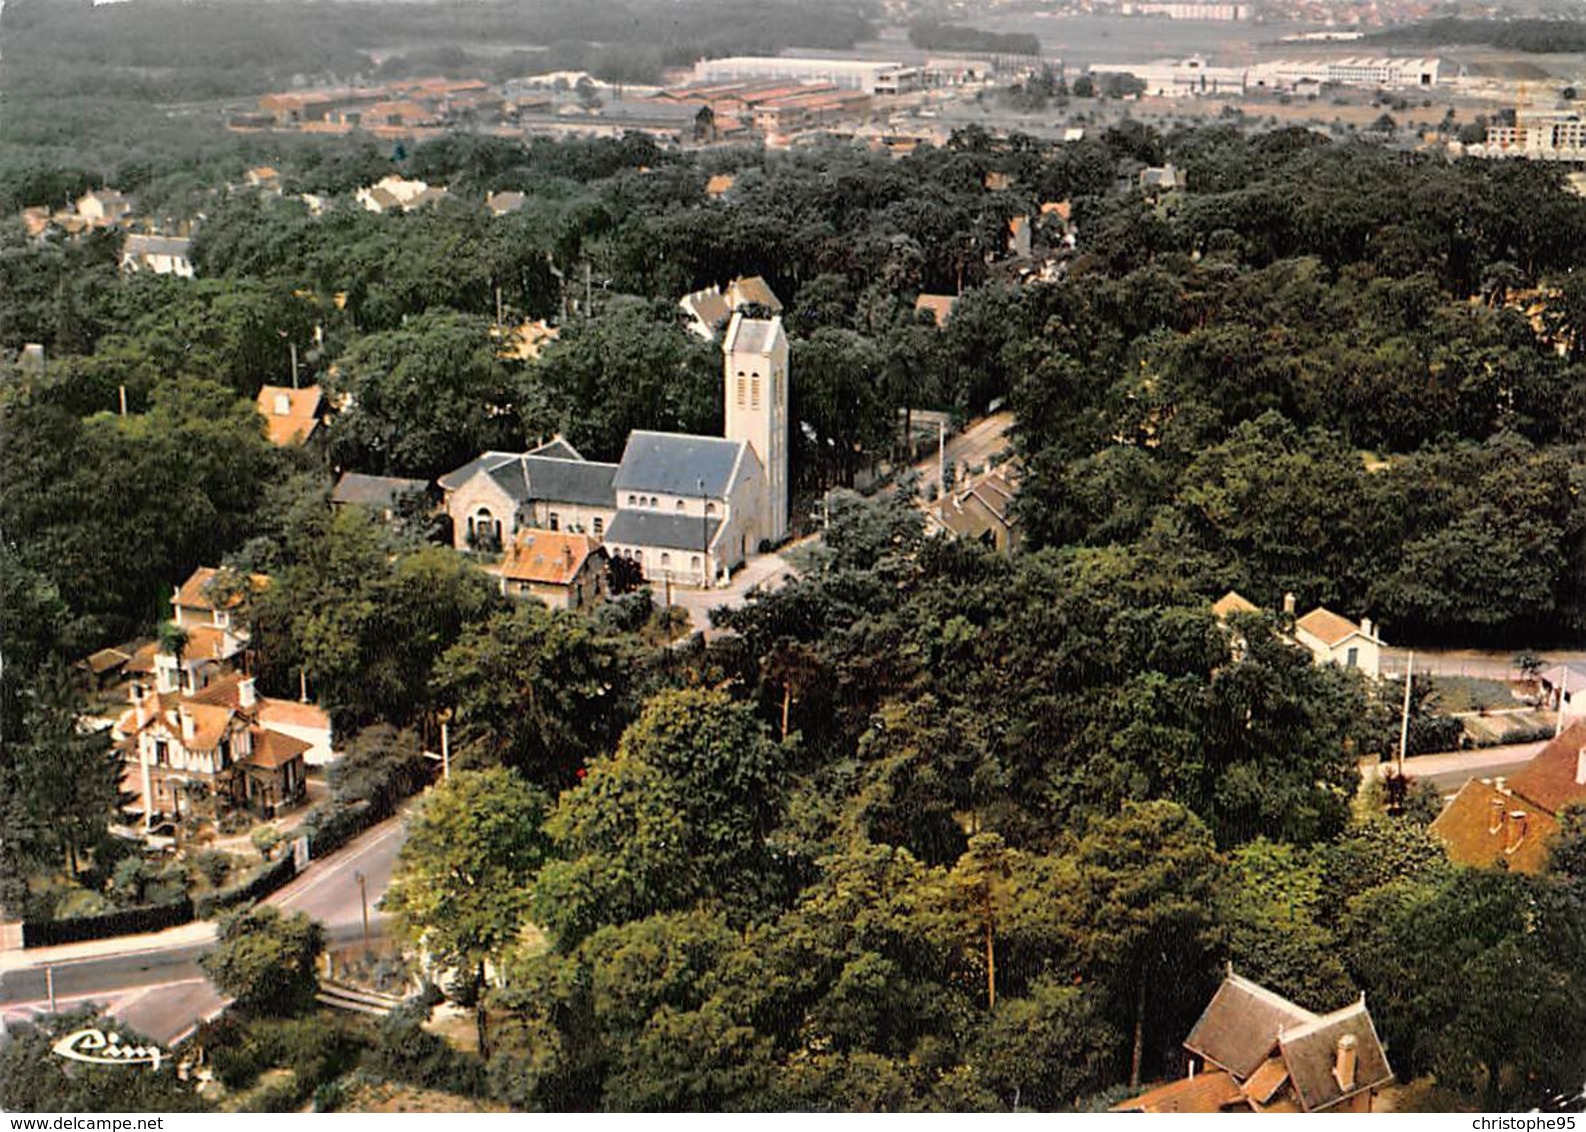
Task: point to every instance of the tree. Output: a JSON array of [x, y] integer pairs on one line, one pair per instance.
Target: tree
[[65, 782], [681, 813], [461, 891], [426, 398], [534, 689], [267, 961], [1145, 881]]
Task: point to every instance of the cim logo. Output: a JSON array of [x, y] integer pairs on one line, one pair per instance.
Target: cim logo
[[97, 1048]]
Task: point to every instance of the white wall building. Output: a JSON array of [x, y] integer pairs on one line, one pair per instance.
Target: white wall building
[[857, 74]]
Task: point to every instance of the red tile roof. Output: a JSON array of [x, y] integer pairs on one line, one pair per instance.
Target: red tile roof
[[273, 750], [1474, 828], [1212, 1091], [195, 592], [1327, 626], [290, 415], [1552, 779], [547, 558]]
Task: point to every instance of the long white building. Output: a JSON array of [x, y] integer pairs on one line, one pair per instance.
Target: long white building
[[857, 74]]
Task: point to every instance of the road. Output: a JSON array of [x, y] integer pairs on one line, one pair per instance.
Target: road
[[154, 983], [1491, 664], [1448, 772], [766, 571]]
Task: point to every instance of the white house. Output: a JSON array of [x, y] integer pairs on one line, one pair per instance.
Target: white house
[[160, 255], [1337, 640], [708, 309]]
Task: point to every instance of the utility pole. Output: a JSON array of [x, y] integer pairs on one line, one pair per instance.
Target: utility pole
[[1404, 718], [941, 455], [123, 400], [446, 750], [49, 986], [1563, 693], [292, 346], [704, 535], [363, 896]]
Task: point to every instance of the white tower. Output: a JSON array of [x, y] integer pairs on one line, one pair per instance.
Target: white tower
[[755, 352]]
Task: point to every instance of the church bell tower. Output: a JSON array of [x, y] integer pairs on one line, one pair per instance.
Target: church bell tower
[[755, 352]]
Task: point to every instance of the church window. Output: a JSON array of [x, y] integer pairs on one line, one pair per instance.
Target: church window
[[710, 508], [666, 559], [598, 526], [754, 392], [630, 501], [555, 521], [693, 563], [740, 389], [680, 505]]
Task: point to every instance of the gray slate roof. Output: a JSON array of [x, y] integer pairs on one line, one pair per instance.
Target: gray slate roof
[[557, 448], [658, 528], [1310, 1054], [553, 478], [1240, 1025], [675, 463], [157, 245], [374, 491], [752, 335]]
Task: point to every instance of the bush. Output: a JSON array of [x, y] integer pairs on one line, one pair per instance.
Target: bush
[[214, 866], [238, 1065], [406, 1053], [265, 839]]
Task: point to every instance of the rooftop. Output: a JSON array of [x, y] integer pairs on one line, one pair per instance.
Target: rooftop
[[551, 558], [657, 528], [678, 464], [1329, 628], [374, 491]]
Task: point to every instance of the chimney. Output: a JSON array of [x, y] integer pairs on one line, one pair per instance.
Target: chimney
[[1288, 604], [1365, 626], [140, 713], [1580, 767], [1344, 1060], [1515, 832], [1495, 822], [1498, 784], [247, 697]]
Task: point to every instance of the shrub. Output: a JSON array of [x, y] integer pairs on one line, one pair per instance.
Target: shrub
[[214, 866]]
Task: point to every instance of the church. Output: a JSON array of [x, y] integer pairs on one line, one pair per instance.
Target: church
[[685, 509]]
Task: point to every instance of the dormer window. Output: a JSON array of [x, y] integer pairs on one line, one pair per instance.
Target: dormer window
[[283, 405]]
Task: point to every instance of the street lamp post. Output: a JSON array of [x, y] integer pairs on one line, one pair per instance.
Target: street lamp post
[[704, 535]]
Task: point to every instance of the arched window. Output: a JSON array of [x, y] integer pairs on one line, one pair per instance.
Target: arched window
[[710, 508], [693, 563], [740, 389], [638, 557], [666, 559], [754, 392], [680, 505], [630, 500]]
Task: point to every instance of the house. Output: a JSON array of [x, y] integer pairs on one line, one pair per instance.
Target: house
[[394, 193], [1019, 237], [981, 509], [103, 208], [1337, 640], [500, 204], [1507, 823], [1564, 689], [1231, 603], [291, 416], [551, 488], [1155, 180], [563, 570], [939, 306], [159, 255], [385, 496], [682, 508], [186, 749], [718, 186], [707, 310], [265, 177], [205, 608], [1255, 1051]]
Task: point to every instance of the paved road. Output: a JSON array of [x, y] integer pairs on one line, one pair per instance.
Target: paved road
[[1448, 772], [154, 982], [1492, 664], [767, 571]]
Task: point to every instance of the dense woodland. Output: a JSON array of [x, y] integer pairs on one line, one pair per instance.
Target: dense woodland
[[929, 828]]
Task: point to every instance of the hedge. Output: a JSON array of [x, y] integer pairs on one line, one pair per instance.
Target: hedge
[[128, 921], [267, 881]]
